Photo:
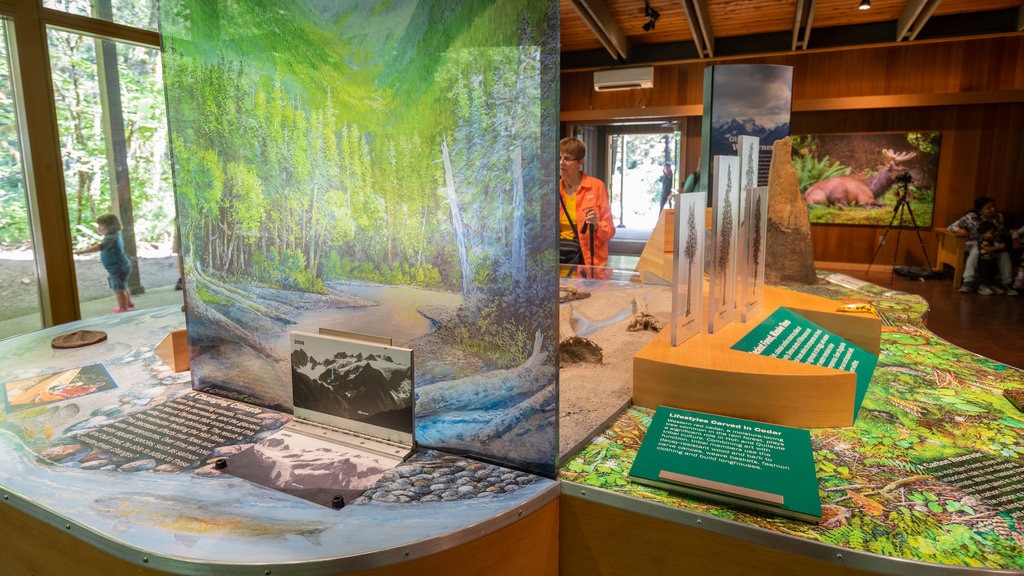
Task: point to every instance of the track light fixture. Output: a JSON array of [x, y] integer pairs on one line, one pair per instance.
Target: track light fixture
[[865, 5], [653, 15]]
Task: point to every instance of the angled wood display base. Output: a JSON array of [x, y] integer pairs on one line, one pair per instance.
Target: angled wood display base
[[706, 375]]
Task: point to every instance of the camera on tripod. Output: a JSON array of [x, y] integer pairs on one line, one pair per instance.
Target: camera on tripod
[[904, 177]]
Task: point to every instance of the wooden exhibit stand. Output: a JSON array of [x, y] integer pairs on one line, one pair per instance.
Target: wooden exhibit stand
[[706, 375], [173, 350], [103, 522], [656, 258], [601, 539], [527, 546]]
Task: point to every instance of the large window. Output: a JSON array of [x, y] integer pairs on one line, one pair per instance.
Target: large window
[[82, 133], [642, 164], [19, 282], [135, 13], [113, 135]]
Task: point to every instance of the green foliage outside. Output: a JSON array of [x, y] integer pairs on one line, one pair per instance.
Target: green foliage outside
[[79, 104]]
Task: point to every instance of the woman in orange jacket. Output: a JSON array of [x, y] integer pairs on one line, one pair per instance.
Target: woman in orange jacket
[[586, 199]]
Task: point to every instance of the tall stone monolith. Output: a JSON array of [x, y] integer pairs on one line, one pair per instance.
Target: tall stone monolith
[[789, 255]]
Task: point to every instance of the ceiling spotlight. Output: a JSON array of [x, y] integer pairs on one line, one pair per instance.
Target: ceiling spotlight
[[652, 14], [865, 5]]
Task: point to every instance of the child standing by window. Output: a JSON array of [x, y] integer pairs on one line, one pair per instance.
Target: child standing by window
[[111, 249]]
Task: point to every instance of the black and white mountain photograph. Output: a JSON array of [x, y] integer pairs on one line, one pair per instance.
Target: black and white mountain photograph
[[345, 383]]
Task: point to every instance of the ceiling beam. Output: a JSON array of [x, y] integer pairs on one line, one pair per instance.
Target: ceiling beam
[[914, 16], [803, 18], [700, 27], [603, 25]]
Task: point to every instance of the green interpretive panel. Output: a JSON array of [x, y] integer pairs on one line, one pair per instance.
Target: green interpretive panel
[[789, 336], [751, 464]]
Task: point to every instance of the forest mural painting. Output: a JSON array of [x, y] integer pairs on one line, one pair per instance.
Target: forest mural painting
[[877, 179], [381, 168]]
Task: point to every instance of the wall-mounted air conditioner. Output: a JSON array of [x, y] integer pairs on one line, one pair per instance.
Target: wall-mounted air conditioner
[[624, 78]]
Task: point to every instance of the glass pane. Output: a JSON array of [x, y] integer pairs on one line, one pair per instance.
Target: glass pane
[[113, 133], [19, 282], [639, 175], [134, 13]]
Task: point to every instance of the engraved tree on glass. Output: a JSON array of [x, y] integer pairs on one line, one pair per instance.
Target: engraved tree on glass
[[691, 252], [748, 176], [756, 252], [725, 236]]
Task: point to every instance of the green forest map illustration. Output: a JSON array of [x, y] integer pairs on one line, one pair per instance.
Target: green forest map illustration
[[929, 401]]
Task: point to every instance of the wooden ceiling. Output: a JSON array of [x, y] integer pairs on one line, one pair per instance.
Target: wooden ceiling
[[603, 33]]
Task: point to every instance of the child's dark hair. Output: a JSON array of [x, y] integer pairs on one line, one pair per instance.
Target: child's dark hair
[[981, 201], [110, 221], [986, 227]]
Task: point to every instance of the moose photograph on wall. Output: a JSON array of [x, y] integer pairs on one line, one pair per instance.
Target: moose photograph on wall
[[870, 179]]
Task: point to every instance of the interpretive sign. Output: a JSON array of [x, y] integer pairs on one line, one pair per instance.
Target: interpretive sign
[[996, 482], [177, 434], [750, 464], [789, 336], [356, 386]]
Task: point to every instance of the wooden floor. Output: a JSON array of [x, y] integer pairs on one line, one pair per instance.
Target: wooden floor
[[992, 326]]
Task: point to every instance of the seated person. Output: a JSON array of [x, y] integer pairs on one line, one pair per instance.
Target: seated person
[[967, 226], [1018, 245], [989, 249]]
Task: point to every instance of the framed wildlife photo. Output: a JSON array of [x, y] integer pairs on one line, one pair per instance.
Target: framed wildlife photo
[[874, 179]]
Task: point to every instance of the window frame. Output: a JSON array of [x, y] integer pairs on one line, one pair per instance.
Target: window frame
[[26, 23]]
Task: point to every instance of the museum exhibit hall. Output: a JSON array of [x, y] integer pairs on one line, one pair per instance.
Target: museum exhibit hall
[[284, 297]]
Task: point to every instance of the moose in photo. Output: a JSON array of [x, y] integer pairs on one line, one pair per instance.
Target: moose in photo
[[843, 191]]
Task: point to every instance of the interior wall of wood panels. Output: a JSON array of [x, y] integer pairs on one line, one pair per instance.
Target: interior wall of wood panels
[[972, 91]]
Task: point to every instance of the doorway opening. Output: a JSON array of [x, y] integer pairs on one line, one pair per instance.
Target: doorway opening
[[638, 162]]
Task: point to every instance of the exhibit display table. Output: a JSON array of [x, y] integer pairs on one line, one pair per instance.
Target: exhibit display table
[[928, 479], [64, 511]]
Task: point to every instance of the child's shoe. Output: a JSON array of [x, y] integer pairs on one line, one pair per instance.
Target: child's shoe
[[998, 290], [984, 290]]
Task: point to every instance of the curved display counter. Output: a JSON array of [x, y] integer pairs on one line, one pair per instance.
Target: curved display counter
[[928, 479], [61, 511]]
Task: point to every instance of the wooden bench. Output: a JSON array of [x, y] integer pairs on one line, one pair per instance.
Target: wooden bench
[[951, 251]]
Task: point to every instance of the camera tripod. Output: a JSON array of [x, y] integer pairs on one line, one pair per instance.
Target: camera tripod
[[902, 204]]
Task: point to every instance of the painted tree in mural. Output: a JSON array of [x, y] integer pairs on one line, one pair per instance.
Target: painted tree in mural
[[317, 176], [725, 234], [411, 158], [691, 253]]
